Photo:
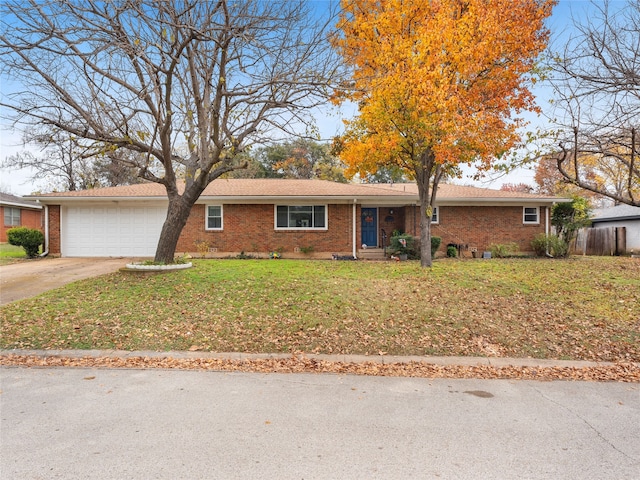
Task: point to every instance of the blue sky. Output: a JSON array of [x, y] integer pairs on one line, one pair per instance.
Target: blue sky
[[330, 121]]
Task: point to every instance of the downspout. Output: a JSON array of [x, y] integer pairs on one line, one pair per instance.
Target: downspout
[[546, 221], [547, 228], [46, 232], [355, 250]]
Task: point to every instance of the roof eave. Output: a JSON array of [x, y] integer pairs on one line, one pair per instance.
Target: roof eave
[[73, 199], [404, 199], [460, 201], [615, 219], [22, 205]]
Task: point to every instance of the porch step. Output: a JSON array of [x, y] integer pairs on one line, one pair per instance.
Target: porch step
[[371, 254]]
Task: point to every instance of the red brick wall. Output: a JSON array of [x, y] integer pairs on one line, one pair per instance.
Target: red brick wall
[[54, 230], [389, 221], [481, 226], [28, 218], [250, 228]]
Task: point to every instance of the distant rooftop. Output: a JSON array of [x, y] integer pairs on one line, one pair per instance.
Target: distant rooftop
[[616, 213], [15, 201]]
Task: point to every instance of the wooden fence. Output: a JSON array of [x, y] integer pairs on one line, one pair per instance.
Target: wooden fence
[[604, 241]]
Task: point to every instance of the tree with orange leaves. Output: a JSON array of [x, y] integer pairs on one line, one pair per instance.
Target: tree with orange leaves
[[551, 182], [437, 83]]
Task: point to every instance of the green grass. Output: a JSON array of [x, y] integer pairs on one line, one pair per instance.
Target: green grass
[[578, 308], [10, 253]]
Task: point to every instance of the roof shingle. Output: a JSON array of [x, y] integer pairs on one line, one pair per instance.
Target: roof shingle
[[276, 187]]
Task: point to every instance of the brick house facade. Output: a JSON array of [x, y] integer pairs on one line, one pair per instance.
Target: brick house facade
[[295, 217], [18, 212], [250, 228]]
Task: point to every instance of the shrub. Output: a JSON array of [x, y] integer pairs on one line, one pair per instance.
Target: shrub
[[404, 244], [202, 246], [435, 245], [569, 217], [556, 246], [28, 238], [539, 244], [503, 250], [452, 252]]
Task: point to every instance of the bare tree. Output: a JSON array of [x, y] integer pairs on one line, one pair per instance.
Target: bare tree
[[66, 162], [188, 84], [596, 81]]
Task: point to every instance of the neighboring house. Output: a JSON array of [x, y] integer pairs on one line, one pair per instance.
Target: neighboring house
[[621, 216], [18, 212], [290, 216]]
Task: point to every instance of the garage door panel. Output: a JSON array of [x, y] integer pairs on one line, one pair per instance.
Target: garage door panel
[[104, 231]]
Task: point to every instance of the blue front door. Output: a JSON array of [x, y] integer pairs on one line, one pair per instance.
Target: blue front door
[[369, 227]]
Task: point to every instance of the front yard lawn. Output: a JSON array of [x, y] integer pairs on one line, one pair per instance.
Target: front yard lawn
[[580, 308], [10, 253]]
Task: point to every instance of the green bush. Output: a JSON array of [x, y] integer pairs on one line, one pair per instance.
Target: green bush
[[404, 244], [435, 245], [412, 248], [503, 250], [556, 246], [452, 252], [28, 238], [569, 217]]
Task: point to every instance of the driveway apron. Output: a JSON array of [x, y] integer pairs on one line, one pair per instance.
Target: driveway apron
[[33, 277]]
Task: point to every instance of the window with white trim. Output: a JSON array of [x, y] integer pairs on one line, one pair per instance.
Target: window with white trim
[[435, 216], [214, 217], [304, 217], [531, 215], [11, 217]]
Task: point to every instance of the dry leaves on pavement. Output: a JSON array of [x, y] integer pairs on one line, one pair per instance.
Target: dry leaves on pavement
[[619, 372]]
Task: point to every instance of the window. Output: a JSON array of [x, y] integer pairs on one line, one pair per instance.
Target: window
[[11, 217], [301, 216], [434, 216], [530, 215], [214, 217]]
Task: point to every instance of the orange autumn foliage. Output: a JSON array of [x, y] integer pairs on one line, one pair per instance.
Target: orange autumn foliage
[[442, 75], [437, 82]]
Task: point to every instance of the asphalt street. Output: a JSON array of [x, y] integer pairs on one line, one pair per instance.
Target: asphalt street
[[74, 423]]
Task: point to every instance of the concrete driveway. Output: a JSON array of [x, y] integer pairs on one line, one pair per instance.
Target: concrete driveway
[[33, 277]]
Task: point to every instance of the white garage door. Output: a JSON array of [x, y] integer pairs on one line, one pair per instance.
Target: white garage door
[[111, 231]]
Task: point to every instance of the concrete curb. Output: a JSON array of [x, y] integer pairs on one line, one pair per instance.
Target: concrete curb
[[381, 359]]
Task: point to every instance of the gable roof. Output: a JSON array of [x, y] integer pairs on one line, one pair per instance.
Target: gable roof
[[264, 189], [619, 212], [19, 202]]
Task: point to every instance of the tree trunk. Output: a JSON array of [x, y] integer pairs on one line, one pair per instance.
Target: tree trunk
[[425, 230], [427, 193], [177, 215]]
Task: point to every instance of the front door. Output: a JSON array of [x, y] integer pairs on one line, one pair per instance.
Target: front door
[[369, 226]]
